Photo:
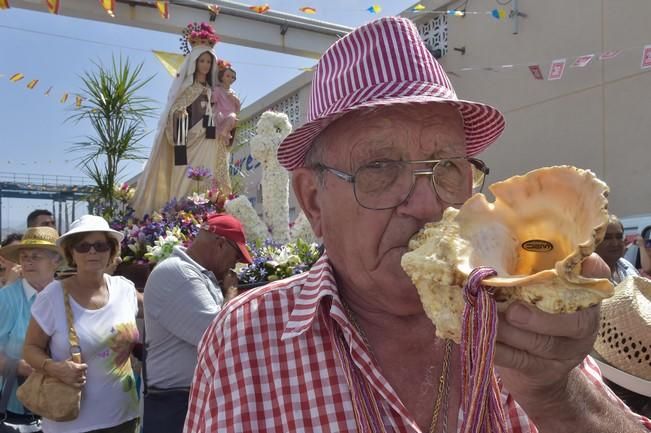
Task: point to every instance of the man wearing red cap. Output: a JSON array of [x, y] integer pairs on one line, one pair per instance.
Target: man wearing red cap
[[182, 296]]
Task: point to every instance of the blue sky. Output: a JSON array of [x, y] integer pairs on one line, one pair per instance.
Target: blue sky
[[34, 134]]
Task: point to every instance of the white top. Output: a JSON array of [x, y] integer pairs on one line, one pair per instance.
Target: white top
[[106, 337]]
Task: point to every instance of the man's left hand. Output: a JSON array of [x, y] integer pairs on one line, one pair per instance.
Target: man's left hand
[[229, 286], [537, 351]]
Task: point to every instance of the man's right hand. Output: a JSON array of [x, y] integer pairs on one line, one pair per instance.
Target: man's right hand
[[229, 286]]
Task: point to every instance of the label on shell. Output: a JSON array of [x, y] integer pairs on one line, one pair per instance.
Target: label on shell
[[537, 246]]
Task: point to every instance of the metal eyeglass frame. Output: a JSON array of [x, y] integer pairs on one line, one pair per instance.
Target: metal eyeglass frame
[[350, 178]]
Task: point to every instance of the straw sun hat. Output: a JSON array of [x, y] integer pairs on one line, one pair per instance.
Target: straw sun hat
[[90, 223], [624, 339], [43, 238]]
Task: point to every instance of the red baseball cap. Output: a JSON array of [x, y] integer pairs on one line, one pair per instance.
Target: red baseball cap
[[231, 228]]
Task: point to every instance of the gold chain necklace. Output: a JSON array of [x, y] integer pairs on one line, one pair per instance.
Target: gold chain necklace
[[443, 379]]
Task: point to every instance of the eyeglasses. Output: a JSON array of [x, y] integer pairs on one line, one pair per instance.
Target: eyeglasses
[[614, 236], [383, 185], [100, 247], [48, 223], [34, 257]]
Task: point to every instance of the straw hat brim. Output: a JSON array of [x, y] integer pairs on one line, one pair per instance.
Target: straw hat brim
[[623, 340], [625, 380], [11, 252], [483, 125]]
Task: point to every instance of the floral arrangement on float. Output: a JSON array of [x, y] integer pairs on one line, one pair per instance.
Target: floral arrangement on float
[[279, 248], [150, 239], [273, 261], [195, 34]]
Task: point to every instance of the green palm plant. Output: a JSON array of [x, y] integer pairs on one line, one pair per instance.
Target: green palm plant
[[116, 114]]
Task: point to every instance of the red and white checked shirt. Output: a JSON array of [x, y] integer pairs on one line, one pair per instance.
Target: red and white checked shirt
[[267, 364]]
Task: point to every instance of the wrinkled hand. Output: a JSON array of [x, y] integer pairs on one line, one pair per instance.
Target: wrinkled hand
[[69, 372], [536, 351]]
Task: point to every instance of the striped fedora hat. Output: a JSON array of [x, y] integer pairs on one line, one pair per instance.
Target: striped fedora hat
[[383, 63]]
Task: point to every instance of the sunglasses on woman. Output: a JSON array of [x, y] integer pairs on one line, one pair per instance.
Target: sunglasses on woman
[[100, 247]]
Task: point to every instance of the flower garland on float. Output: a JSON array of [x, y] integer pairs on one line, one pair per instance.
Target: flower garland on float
[[271, 130]]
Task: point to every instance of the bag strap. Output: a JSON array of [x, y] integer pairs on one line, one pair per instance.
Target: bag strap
[[73, 339]]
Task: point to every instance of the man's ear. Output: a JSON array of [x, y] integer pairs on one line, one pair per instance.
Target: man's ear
[[306, 186]]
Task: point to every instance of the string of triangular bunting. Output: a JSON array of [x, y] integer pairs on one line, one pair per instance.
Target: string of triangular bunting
[[163, 7], [31, 85], [558, 66]]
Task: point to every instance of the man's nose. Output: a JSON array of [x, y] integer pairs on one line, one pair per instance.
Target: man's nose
[[424, 203]]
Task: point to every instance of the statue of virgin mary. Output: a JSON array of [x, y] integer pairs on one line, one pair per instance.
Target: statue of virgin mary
[[186, 133]]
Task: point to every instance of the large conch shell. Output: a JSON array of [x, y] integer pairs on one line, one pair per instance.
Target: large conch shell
[[535, 235]]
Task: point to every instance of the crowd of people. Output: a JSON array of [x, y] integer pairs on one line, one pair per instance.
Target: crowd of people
[[344, 347]]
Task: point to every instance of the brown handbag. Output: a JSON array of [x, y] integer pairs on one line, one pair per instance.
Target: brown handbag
[[46, 395]]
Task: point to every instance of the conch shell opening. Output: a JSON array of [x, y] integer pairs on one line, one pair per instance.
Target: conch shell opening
[[535, 234]]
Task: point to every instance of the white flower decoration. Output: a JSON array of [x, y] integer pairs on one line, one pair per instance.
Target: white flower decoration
[[272, 128]]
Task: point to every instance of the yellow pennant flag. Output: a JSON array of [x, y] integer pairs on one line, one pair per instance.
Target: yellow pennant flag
[[64, 98], [109, 6], [163, 9], [47, 92], [260, 9], [16, 77], [78, 100], [4, 4], [53, 6], [170, 61], [32, 84]]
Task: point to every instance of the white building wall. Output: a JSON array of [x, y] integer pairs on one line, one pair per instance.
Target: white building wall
[[597, 117]]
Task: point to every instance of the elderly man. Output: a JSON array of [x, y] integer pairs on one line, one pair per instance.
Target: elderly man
[[347, 346], [183, 294]]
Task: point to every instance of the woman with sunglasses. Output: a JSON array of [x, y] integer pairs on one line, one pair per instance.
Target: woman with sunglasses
[[104, 308]]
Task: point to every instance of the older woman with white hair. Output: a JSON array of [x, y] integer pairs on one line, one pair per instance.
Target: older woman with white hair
[[39, 258], [103, 310]]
